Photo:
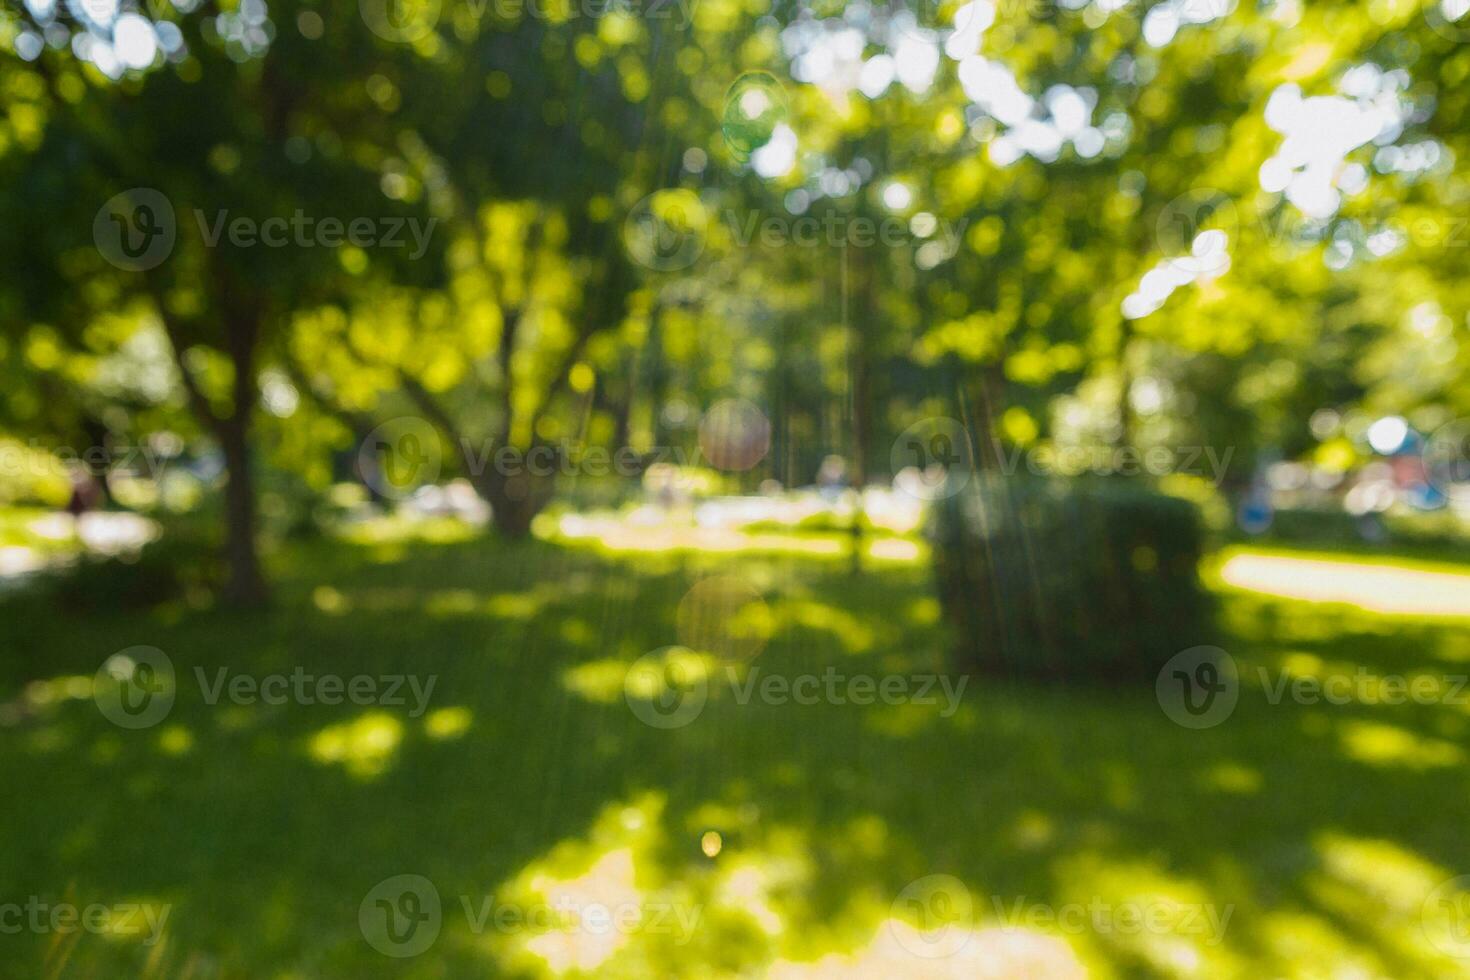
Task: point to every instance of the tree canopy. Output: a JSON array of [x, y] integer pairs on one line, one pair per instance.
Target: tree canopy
[[278, 227]]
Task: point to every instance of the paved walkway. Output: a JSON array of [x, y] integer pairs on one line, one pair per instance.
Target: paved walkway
[[101, 533], [1380, 588]]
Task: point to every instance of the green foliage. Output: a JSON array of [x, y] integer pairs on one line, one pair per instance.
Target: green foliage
[[1072, 581], [537, 314]]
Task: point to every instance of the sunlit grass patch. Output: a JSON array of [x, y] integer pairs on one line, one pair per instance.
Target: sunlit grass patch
[[365, 747], [1388, 745]]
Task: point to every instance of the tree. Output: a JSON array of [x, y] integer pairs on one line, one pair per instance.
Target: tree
[[190, 153]]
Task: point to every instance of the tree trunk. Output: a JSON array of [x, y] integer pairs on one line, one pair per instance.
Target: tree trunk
[[96, 435], [245, 584], [242, 318], [860, 330], [516, 498], [1125, 382], [988, 406]]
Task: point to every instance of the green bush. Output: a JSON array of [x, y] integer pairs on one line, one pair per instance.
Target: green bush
[[1069, 580]]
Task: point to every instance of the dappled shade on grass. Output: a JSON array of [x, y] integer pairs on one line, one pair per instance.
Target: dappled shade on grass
[[1322, 828]]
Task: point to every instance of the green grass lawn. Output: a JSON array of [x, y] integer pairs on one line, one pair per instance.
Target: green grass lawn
[[757, 839]]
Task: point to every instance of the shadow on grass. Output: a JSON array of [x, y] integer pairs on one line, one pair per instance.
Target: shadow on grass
[[782, 832]]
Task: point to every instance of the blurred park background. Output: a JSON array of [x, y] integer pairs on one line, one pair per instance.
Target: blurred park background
[[731, 488]]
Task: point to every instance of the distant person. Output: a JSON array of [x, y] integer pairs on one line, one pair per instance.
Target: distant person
[[832, 477], [84, 494]]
